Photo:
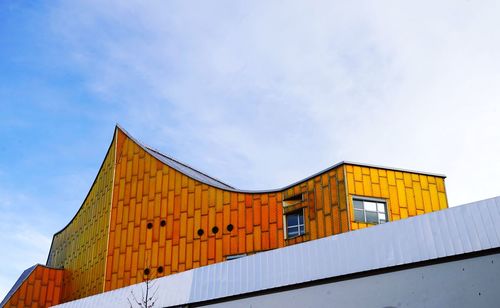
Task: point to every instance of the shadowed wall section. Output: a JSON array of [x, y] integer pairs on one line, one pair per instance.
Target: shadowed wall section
[[324, 203], [80, 248]]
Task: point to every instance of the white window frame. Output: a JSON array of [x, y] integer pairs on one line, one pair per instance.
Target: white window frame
[[297, 226]]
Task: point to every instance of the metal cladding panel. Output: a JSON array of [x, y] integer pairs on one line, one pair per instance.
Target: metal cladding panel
[[38, 286], [406, 193], [468, 228]]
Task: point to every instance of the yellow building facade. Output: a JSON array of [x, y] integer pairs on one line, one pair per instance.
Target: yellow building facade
[[148, 215]]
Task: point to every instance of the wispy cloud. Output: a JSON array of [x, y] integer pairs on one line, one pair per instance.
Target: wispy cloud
[[265, 93], [258, 94], [19, 234]]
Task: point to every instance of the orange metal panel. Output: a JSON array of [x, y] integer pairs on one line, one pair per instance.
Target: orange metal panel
[[249, 242], [241, 240], [273, 236], [320, 224], [249, 220], [196, 251], [211, 248], [408, 194], [175, 258], [272, 209], [265, 217], [39, 289], [182, 250], [189, 255], [434, 197], [358, 176], [367, 187]]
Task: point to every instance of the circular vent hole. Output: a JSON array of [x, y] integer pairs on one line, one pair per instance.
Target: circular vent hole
[[163, 223], [230, 227], [215, 230], [160, 269], [150, 225], [200, 232], [147, 271]]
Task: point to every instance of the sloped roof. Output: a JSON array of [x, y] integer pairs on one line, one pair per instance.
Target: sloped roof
[[187, 170], [469, 228], [177, 165], [18, 283]]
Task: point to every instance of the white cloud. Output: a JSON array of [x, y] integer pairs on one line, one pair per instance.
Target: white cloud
[[266, 93], [20, 232], [20, 239], [29, 218], [261, 94]]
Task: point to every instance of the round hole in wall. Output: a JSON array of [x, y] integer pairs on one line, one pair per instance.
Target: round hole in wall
[[163, 223], [160, 269], [150, 225], [147, 271], [215, 230], [200, 232], [230, 227]]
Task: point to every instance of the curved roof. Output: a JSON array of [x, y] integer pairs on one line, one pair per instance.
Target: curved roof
[[212, 181], [179, 166]]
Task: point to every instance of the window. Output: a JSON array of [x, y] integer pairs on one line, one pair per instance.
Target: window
[[295, 223], [370, 211]]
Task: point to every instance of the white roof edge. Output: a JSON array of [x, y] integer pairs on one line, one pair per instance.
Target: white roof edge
[[468, 228]]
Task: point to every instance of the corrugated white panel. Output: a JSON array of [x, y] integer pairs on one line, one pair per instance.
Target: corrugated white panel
[[458, 230]]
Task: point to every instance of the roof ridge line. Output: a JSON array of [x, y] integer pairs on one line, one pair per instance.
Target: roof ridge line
[[187, 166], [148, 148], [343, 162]]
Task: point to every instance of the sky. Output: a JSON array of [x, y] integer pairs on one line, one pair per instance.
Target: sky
[[259, 94]]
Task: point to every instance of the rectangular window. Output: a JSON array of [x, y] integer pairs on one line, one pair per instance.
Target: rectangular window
[[295, 223], [371, 211]]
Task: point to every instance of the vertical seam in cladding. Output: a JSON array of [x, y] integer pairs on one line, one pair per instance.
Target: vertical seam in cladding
[[338, 203], [115, 144], [348, 207], [330, 206], [315, 211]]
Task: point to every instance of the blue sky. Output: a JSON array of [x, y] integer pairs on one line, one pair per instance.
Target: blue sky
[[258, 94]]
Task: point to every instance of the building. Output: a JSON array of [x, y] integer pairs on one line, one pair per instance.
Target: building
[[449, 258], [149, 215]]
